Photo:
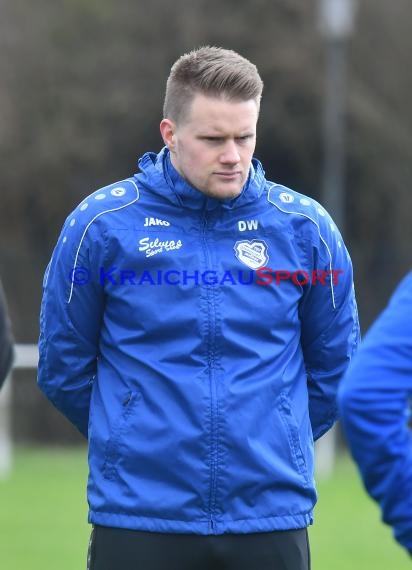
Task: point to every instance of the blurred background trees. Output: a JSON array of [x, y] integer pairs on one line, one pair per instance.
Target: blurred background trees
[[81, 91]]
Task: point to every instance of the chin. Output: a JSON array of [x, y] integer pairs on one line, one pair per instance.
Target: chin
[[224, 193]]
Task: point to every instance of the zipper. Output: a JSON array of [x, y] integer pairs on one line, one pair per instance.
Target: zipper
[[211, 340]]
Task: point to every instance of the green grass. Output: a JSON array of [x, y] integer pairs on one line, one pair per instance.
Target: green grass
[[347, 533], [43, 518], [43, 511]]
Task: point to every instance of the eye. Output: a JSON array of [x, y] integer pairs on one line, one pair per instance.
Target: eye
[[244, 138], [213, 139]]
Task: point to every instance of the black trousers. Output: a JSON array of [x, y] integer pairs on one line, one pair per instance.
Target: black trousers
[[120, 549]]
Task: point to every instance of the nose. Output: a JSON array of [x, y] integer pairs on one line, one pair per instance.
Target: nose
[[230, 153]]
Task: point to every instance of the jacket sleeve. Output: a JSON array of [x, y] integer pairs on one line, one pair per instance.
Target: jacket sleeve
[[375, 398], [330, 325], [70, 319], [6, 341]]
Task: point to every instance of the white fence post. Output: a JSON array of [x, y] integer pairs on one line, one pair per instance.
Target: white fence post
[[5, 428], [325, 454]]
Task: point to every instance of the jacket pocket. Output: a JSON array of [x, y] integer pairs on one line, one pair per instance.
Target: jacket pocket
[[120, 427], [291, 428]]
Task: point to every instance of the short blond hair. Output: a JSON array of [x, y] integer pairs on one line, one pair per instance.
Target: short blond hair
[[211, 71]]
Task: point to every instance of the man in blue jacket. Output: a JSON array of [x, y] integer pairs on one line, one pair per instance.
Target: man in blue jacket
[[195, 323], [375, 398]]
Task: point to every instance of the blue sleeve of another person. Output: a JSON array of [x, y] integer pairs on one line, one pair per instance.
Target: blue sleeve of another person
[[375, 403]]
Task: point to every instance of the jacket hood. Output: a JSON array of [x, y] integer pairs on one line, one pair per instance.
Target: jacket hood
[[158, 173]]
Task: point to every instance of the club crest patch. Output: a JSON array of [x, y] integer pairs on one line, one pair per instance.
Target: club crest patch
[[253, 253]]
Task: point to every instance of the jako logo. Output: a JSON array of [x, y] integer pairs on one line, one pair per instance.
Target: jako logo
[[155, 222]]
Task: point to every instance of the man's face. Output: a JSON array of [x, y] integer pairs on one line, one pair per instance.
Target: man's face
[[212, 147]]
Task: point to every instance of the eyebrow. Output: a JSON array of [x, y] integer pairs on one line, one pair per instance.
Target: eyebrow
[[225, 136]]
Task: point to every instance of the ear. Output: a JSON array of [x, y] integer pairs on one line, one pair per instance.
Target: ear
[[168, 130]]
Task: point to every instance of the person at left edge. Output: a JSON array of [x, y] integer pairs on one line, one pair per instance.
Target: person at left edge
[[6, 339]]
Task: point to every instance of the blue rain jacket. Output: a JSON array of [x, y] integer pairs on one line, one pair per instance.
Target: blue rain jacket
[[375, 398], [198, 345]]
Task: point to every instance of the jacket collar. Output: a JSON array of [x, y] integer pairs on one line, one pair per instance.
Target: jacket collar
[[158, 173]]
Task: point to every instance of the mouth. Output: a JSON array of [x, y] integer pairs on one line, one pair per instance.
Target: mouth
[[228, 175]]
